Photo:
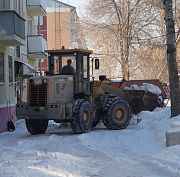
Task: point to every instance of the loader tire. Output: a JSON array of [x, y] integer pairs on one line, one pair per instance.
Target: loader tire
[[82, 117], [116, 114], [36, 126]]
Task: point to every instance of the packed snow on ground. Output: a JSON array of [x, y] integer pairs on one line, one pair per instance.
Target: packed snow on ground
[[137, 151]]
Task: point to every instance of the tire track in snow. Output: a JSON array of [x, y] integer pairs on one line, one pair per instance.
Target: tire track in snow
[[128, 153]]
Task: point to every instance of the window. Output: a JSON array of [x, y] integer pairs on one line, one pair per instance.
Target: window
[[10, 68], [41, 20], [30, 24], [56, 65], [68, 65], [18, 7], [18, 51], [1, 67], [85, 66]]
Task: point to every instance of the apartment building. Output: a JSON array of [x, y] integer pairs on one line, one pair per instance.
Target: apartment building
[[21, 47], [61, 27]]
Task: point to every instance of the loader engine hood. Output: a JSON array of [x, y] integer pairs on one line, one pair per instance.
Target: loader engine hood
[[50, 89]]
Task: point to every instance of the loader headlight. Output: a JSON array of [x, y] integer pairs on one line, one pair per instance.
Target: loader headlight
[[44, 81]]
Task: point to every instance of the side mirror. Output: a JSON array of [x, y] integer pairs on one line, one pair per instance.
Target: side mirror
[[96, 63], [102, 77]]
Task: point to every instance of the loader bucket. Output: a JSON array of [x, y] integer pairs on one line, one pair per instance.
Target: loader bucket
[[135, 97], [142, 101], [151, 101]]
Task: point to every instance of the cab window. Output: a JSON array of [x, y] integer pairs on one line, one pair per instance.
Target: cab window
[[85, 67]]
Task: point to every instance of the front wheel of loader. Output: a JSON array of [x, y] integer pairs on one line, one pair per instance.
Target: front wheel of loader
[[116, 114], [82, 116], [36, 126]]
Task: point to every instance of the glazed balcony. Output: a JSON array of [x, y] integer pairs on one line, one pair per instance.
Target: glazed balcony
[[5, 4], [36, 7], [36, 47], [12, 28]]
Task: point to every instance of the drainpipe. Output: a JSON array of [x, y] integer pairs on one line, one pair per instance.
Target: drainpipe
[[39, 32]]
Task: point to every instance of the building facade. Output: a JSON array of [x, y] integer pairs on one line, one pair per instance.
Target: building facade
[[21, 47], [61, 27]]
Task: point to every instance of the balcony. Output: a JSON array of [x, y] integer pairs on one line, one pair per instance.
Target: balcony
[[36, 7], [36, 47], [5, 4], [12, 28]]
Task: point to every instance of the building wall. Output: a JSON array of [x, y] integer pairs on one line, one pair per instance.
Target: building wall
[[58, 24], [7, 89], [44, 27], [8, 113], [10, 92], [44, 65], [7, 92], [59, 31]]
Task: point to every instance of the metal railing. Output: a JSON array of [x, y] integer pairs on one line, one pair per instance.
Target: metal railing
[[36, 44]]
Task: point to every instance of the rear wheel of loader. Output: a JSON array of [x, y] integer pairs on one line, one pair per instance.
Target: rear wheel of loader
[[36, 126], [82, 116], [116, 114]]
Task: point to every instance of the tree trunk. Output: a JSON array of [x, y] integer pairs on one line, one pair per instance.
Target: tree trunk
[[171, 58]]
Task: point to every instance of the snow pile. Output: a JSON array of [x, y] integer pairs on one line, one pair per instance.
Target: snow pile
[[137, 151], [146, 87], [151, 88], [175, 126]]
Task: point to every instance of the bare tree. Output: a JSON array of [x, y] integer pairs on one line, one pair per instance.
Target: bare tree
[[128, 31], [118, 27], [171, 58], [149, 61]]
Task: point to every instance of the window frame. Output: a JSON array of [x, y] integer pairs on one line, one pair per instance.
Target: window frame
[[10, 66], [2, 79], [18, 51], [85, 66]]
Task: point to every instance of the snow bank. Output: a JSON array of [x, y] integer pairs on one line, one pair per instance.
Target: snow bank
[[175, 126]]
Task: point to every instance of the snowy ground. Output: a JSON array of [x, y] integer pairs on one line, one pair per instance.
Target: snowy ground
[[138, 151]]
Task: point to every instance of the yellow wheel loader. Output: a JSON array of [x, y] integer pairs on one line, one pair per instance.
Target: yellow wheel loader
[[68, 93]]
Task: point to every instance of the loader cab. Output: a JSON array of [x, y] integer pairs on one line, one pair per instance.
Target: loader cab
[[75, 62]]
